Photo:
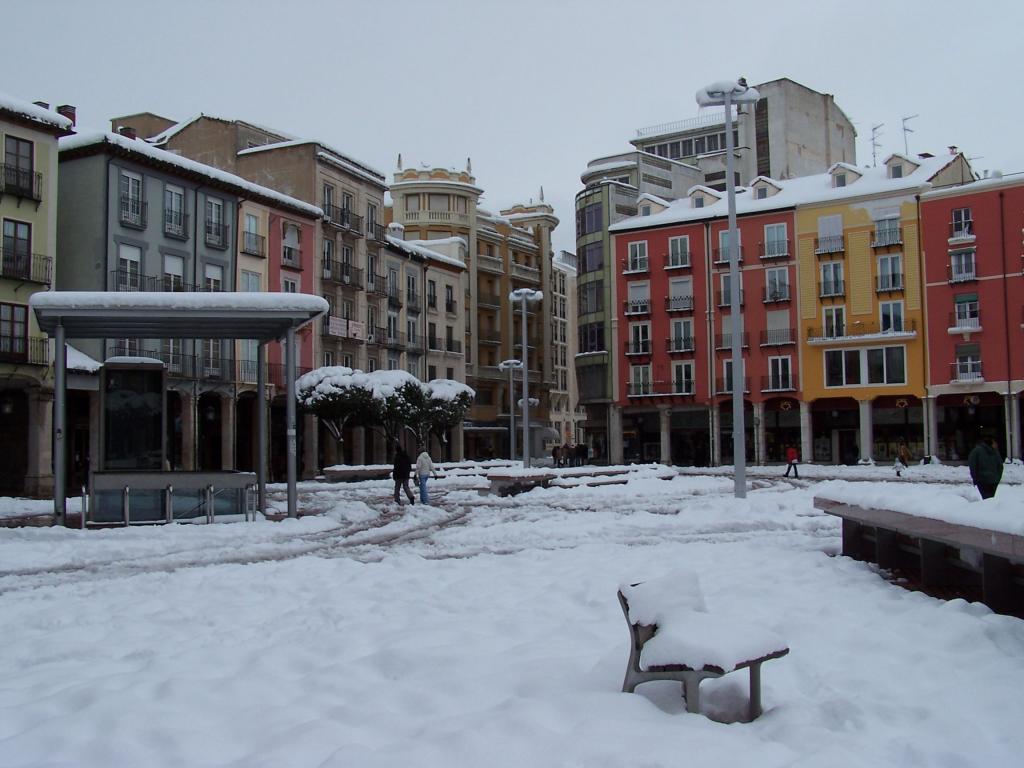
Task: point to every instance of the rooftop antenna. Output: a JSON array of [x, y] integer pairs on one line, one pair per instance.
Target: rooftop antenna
[[876, 131], [906, 130]]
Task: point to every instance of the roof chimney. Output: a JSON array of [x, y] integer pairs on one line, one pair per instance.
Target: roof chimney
[[68, 111], [43, 104], [128, 132]]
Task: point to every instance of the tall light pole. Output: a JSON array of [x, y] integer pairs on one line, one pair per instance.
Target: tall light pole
[[511, 366], [725, 94], [524, 295]]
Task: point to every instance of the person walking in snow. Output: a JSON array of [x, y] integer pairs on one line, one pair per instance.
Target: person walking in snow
[[986, 466], [792, 459], [903, 458], [424, 469], [400, 472]]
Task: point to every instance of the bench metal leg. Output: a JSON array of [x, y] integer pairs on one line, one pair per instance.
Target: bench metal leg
[[691, 690], [755, 691]]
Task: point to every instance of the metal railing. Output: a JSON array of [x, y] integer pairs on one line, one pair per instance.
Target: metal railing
[[490, 263], [722, 255], [893, 281], [635, 264], [637, 346], [124, 280], [488, 336], [453, 345], [639, 388], [637, 306], [886, 236], [680, 344], [777, 337], [779, 383], [860, 328], [450, 306], [961, 230], [343, 218], [486, 300], [133, 212], [290, 255], [394, 340], [431, 301], [777, 293], [33, 350], [375, 335], [724, 298], [966, 370], [33, 268], [678, 259], [774, 249], [679, 303], [723, 385], [967, 323], [377, 284], [831, 288], [253, 244], [342, 272], [962, 273], [375, 232], [176, 224], [412, 301], [434, 344], [724, 340], [216, 234], [21, 183], [394, 298], [829, 244]]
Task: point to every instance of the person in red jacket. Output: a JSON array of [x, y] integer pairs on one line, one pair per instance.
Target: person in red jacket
[[792, 458]]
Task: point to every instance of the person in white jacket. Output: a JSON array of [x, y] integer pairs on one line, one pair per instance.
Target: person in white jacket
[[424, 468]]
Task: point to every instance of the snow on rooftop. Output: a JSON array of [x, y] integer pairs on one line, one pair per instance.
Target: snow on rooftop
[[163, 137], [804, 190], [140, 147], [227, 300], [34, 112]]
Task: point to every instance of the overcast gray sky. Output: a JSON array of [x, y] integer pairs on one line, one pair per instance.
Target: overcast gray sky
[[530, 90]]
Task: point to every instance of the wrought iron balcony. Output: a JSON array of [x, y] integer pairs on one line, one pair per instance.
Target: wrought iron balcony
[[453, 345], [962, 272], [968, 323], [886, 236], [829, 244], [375, 233], [724, 298], [635, 264], [682, 303], [639, 388], [216, 234], [777, 337], [376, 335], [774, 294], [21, 183], [488, 336], [394, 298], [343, 219], [125, 280], [176, 224], [779, 383], [961, 230], [966, 370], [486, 300], [680, 344], [889, 283], [254, 244], [376, 284], [724, 340], [343, 273], [831, 289], [32, 350], [722, 255], [394, 340], [723, 385], [431, 301], [450, 306], [133, 212], [30, 267], [412, 301], [434, 344], [774, 249], [677, 260], [852, 329], [637, 346], [637, 306]]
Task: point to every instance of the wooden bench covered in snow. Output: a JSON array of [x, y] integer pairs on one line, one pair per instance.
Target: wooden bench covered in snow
[[935, 552], [673, 637]]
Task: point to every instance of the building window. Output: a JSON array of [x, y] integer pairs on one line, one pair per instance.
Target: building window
[[698, 201], [174, 273], [17, 250], [835, 322], [645, 210], [328, 191], [892, 316], [846, 367], [776, 241], [890, 272], [590, 297], [682, 377], [347, 201], [776, 282], [252, 240], [839, 179], [968, 311], [437, 202], [129, 258], [250, 281], [886, 365], [639, 339], [761, 193], [682, 335], [842, 367], [779, 374], [962, 266], [289, 285], [588, 219], [132, 206], [412, 203], [679, 251], [640, 380], [216, 232], [328, 359], [13, 331], [410, 331], [431, 294], [431, 372], [637, 257], [290, 245], [832, 278], [174, 211], [896, 171], [963, 224], [591, 337], [592, 257], [213, 277]]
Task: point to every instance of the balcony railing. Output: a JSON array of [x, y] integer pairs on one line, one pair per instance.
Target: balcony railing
[[453, 345], [635, 264], [774, 249], [640, 388], [889, 283], [488, 336], [375, 233], [376, 284], [176, 224], [724, 340], [680, 344], [490, 264], [723, 386], [33, 268], [677, 260], [679, 303], [681, 387], [962, 273], [777, 337], [32, 350], [637, 306], [487, 300], [831, 288], [412, 301], [829, 244], [965, 322], [375, 335], [852, 330], [722, 255], [21, 183], [133, 212], [394, 340], [343, 219], [966, 370], [637, 346], [525, 272], [394, 299], [434, 344], [961, 230], [724, 298], [253, 244], [776, 293], [216, 234], [289, 256], [886, 236], [431, 301], [343, 273], [451, 306], [125, 280], [779, 383]]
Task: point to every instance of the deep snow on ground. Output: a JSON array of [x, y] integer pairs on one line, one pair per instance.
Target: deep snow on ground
[[483, 631]]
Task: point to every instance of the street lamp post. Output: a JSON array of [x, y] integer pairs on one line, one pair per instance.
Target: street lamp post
[[725, 94], [524, 295], [511, 366]]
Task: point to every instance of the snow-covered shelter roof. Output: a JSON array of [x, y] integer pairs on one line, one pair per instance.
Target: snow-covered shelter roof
[[28, 112], [86, 143], [145, 315], [804, 190]]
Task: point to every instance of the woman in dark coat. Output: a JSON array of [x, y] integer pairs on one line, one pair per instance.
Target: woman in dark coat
[[986, 467], [401, 472]]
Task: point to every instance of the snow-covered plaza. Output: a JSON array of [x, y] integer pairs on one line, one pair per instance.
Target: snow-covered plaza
[[485, 631]]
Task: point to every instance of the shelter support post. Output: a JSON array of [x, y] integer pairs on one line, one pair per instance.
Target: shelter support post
[[261, 426], [59, 426], [290, 422]]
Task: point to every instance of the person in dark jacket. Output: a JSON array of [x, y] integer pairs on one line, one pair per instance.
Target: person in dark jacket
[[986, 467], [401, 472]]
